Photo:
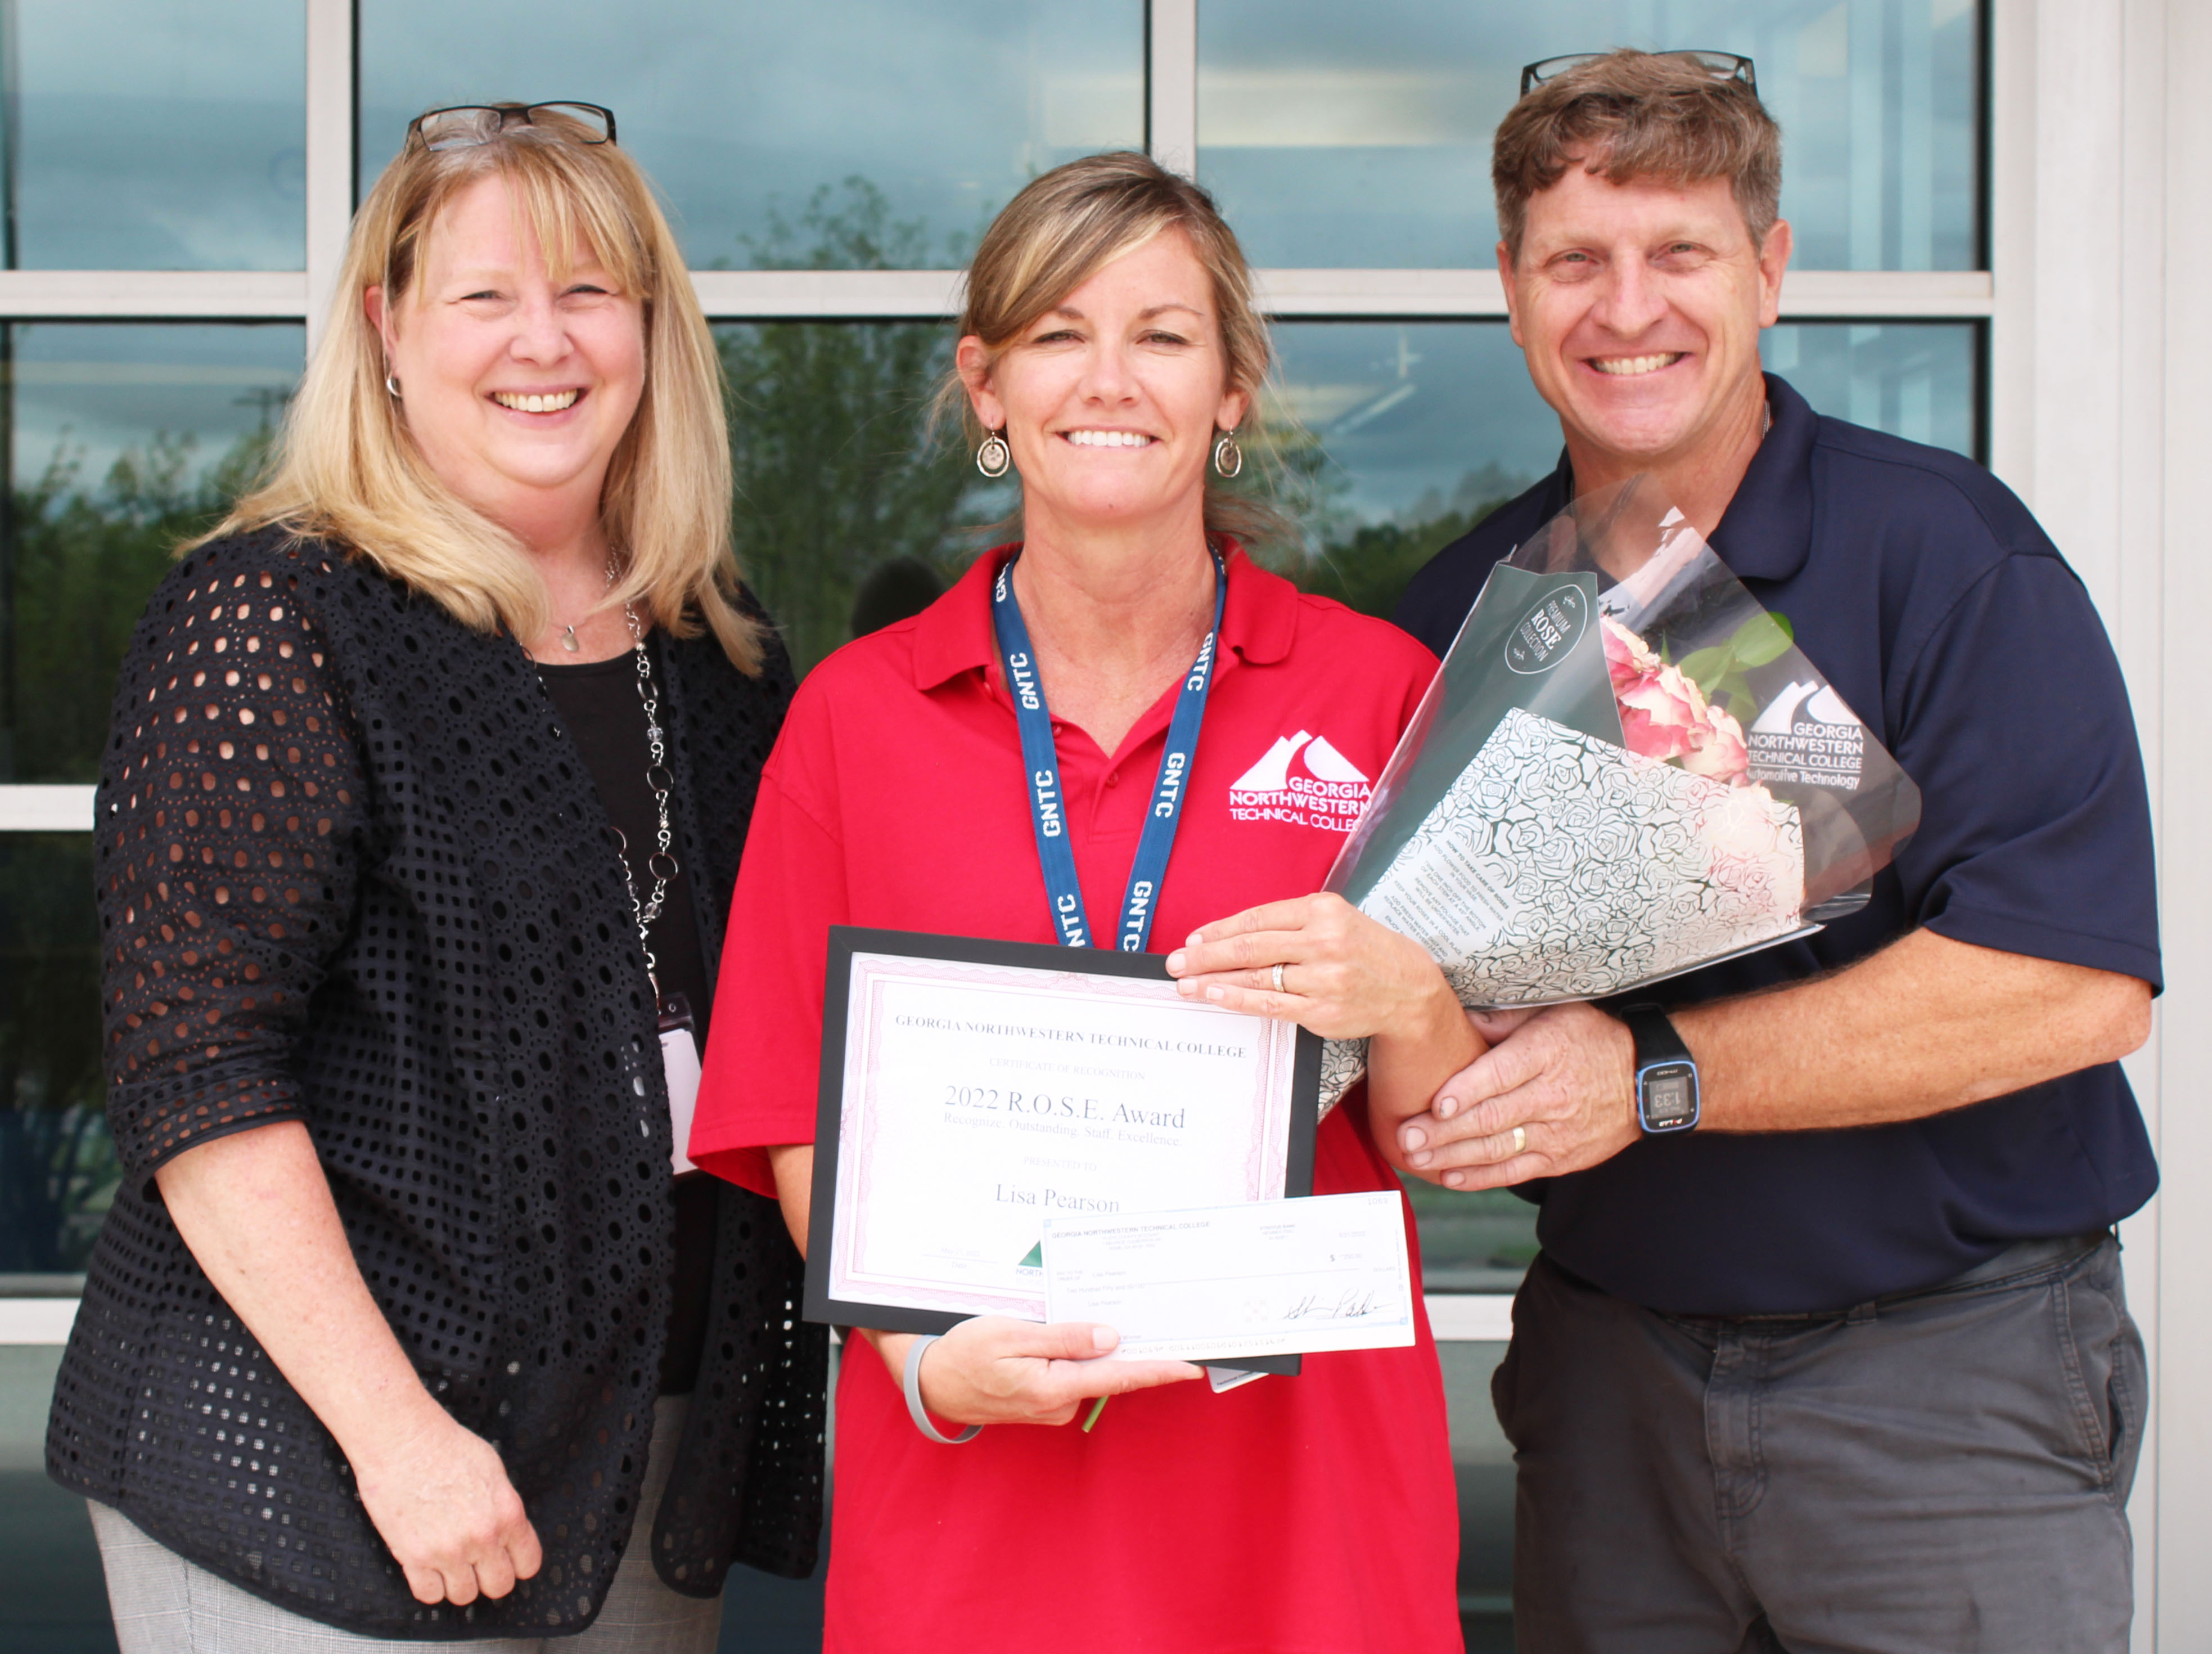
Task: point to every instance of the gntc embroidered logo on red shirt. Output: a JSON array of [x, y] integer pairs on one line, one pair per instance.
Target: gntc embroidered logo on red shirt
[[1303, 780]]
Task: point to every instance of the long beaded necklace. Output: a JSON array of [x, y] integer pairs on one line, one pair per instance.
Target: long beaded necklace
[[679, 1045], [661, 863], [678, 1030]]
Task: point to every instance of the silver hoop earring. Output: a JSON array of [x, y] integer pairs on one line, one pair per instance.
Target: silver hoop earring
[[391, 388], [994, 457], [1228, 457]]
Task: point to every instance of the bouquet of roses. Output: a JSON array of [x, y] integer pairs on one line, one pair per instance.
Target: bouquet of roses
[[1625, 769]]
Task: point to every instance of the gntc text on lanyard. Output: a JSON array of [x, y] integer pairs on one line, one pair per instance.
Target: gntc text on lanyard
[[1048, 810]]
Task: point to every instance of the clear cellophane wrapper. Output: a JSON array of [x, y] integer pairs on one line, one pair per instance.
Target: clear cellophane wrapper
[[1625, 769]]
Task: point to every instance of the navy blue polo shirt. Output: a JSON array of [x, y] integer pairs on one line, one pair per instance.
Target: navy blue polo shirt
[[1940, 611]]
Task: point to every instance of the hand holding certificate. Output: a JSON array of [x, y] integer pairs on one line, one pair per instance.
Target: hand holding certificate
[[970, 1090]]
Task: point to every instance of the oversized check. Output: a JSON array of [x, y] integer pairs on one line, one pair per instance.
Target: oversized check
[[970, 1089], [1237, 1282]]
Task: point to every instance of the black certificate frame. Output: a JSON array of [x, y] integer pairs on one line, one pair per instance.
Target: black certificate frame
[[845, 941]]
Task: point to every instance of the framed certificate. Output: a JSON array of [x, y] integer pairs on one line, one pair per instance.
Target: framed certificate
[[970, 1089]]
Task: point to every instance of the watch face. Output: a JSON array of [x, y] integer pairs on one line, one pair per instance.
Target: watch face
[[1667, 1093]]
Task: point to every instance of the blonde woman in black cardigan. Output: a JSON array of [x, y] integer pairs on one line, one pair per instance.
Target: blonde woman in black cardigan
[[429, 773]]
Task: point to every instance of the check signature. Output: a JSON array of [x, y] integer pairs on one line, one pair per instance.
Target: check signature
[[1346, 1306]]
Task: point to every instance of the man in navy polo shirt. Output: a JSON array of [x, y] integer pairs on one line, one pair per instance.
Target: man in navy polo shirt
[[1848, 1365]]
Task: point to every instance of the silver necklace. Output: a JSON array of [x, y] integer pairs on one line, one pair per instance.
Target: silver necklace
[[569, 640]]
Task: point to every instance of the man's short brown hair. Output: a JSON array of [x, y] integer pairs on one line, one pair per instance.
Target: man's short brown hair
[[1638, 114]]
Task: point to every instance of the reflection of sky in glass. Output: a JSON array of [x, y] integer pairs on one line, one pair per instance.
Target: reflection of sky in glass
[[1420, 418], [1413, 414], [161, 135], [1914, 379], [1341, 136], [88, 391], [947, 106]]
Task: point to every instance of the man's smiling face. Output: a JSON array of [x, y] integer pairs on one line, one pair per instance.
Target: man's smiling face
[[1639, 307]]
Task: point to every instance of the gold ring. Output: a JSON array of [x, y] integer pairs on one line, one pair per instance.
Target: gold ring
[[1519, 1140], [1278, 980]]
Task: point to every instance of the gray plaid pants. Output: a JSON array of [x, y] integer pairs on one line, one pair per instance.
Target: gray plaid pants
[[165, 1605]]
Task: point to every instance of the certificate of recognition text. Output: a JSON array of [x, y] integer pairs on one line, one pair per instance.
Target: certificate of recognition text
[[976, 1098]]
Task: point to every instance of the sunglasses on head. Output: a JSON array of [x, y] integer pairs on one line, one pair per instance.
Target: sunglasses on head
[[466, 125], [1720, 65]]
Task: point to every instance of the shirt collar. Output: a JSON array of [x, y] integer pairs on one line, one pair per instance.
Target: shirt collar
[[954, 635], [1767, 532]]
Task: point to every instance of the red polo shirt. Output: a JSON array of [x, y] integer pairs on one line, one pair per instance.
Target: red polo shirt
[[1315, 1513]]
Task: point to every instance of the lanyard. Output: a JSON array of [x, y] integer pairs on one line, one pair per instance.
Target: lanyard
[[1048, 811]]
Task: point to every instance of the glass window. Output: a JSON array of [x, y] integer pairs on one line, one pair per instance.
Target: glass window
[[847, 516], [1481, 1241], [154, 135], [58, 1167], [936, 110], [1914, 379], [1360, 135], [1407, 434], [54, 1598], [121, 439], [1482, 1466]]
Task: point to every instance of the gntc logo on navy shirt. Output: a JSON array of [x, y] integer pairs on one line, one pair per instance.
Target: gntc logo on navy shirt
[[1304, 781]]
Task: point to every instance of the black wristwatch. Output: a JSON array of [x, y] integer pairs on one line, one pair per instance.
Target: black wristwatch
[[1666, 1072]]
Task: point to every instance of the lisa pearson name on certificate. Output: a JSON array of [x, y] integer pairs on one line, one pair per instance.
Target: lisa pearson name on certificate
[[978, 1099]]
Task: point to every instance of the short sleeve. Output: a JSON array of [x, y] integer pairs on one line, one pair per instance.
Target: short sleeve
[[229, 813], [762, 1065], [2035, 835]]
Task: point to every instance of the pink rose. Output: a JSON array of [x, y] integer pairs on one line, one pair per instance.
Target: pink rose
[[1720, 752], [1626, 656], [1664, 715]]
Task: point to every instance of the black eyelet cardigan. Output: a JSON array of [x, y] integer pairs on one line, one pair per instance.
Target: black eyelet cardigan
[[352, 871]]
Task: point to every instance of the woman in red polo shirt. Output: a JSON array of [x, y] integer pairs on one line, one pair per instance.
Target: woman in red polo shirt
[[1110, 350]]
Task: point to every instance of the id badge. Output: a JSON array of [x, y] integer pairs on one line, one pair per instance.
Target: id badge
[[680, 1065]]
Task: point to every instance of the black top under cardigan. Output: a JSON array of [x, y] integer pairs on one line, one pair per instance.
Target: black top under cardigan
[[352, 872]]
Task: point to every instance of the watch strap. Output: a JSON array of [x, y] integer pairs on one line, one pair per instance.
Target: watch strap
[[1653, 1032]]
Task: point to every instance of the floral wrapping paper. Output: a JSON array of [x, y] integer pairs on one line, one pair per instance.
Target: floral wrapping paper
[[1561, 867]]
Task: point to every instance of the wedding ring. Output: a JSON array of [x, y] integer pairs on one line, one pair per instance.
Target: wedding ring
[[1279, 988], [1519, 1140]]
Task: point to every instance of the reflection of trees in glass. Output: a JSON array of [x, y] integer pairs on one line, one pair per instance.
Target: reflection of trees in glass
[[829, 431], [84, 562], [837, 472], [58, 1167], [1363, 564]]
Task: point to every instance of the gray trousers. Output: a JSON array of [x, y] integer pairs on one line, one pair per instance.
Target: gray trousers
[[1947, 1469], [165, 1605]]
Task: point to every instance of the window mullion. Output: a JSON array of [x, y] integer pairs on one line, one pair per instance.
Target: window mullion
[[330, 127], [1171, 84]]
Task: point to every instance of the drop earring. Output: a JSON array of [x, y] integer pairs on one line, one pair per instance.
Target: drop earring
[[1228, 457], [994, 456]]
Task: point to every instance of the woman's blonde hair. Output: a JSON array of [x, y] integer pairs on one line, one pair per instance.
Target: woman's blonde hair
[[345, 467], [1067, 226]]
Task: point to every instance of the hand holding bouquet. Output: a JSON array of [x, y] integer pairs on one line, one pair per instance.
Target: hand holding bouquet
[[1624, 771]]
